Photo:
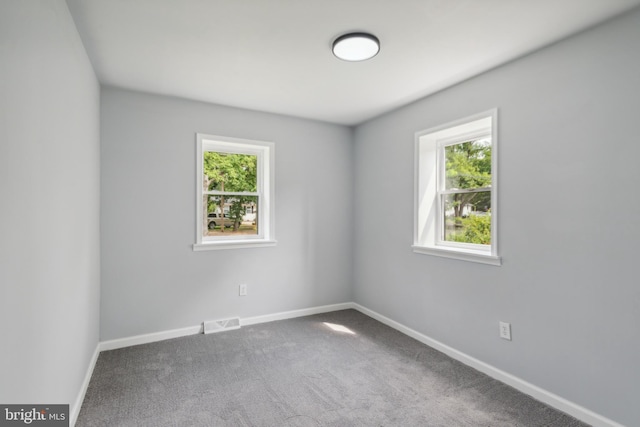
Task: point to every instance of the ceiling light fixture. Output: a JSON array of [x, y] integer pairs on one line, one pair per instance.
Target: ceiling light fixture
[[356, 47]]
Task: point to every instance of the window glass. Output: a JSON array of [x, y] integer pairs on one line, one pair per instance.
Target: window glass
[[467, 217], [230, 172], [239, 215], [468, 164], [466, 208]]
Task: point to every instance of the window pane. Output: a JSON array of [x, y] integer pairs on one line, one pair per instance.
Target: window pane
[[468, 164], [231, 215], [230, 172], [467, 217]]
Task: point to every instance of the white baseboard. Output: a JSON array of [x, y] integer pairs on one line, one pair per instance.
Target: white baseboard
[[296, 313], [149, 338], [75, 408], [553, 400]]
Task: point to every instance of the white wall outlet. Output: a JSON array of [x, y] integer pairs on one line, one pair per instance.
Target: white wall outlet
[[505, 330], [242, 289]]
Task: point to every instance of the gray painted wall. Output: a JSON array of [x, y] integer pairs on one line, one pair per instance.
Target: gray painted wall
[[49, 198], [151, 278], [569, 210]]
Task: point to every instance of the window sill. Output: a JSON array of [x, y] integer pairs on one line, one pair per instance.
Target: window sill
[[461, 254], [234, 244]]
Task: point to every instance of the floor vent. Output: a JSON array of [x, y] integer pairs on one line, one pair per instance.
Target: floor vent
[[213, 326]]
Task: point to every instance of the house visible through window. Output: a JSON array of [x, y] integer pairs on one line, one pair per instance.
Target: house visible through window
[[235, 191], [456, 197]]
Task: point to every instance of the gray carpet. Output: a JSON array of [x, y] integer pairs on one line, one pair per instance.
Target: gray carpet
[[300, 372]]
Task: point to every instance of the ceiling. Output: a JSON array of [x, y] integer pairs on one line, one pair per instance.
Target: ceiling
[[275, 55]]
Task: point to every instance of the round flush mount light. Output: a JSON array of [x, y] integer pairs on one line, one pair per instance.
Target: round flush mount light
[[356, 47]]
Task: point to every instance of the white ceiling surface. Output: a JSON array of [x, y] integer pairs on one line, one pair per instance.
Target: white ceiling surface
[[275, 55]]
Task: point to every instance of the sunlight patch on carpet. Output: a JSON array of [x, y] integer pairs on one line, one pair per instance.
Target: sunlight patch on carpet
[[339, 328]]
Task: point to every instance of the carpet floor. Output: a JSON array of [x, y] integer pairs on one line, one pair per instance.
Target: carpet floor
[[334, 369]]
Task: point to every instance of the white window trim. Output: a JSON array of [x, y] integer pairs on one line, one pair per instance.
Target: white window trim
[[427, 227], [265, 151]]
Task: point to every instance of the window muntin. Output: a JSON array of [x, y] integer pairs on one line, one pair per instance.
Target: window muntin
[[456, 190], [235, 192]]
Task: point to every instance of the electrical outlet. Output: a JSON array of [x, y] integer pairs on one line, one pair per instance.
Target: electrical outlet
[[505, 330], [243, 290]]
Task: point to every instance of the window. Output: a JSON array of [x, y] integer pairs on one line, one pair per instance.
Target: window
[[456, 190], [234, 193]]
